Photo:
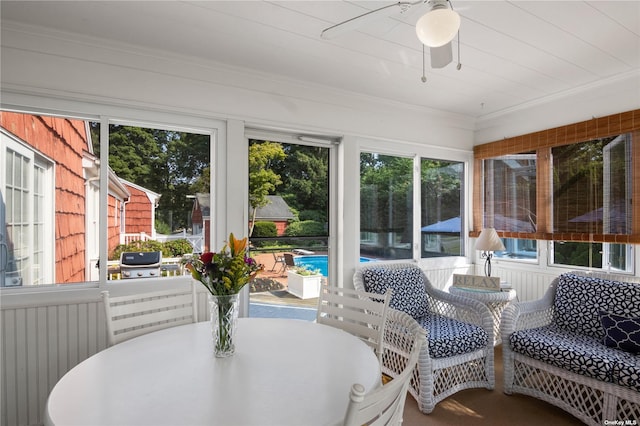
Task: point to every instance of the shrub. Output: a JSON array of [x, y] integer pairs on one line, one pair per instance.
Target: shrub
[[169, 249], [263, 229], [317, 215], [178, 247], [162, 227], [305, 228]]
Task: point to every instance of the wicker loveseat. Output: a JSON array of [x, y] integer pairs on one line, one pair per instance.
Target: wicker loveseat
[[577, 348], [459, 350]]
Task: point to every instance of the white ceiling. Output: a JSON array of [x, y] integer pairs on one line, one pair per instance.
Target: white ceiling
[[513, 54]]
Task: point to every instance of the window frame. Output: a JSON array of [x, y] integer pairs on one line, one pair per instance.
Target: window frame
[[153, 119], [35, 160], [541, 143], [428, 152], [415, 196]]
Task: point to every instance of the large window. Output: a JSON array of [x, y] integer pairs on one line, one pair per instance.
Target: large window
[[51, 197], [387, 210], [592, 195], [42, 200], [26, 186], [442, 208], [592, 186], [510, 193], [386, 206], [570, 189]]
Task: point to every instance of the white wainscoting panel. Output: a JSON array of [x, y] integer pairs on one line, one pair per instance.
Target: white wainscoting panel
[[39, 345]]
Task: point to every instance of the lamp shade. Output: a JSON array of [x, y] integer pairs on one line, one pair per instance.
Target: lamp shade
[[438, 26], [489, 241]]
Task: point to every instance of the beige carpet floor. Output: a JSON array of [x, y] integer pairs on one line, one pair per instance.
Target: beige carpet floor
[[491, 408]]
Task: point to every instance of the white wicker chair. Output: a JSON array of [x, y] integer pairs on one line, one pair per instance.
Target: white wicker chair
[[356, 312], [136, 314], [592, 401], [436, 378], [403, 337]]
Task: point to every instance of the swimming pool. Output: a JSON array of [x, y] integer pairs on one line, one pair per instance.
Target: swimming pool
[[318, 261]]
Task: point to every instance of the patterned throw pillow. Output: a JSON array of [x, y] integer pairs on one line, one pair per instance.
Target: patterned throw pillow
[[407, 285], [621, 332]]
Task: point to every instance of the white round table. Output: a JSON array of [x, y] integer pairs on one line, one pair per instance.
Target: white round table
[[284, 372]]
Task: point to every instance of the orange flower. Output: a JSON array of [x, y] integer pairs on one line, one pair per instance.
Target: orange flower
[[237, 246]]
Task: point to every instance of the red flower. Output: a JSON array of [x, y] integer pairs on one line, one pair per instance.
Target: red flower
[[206, 258]]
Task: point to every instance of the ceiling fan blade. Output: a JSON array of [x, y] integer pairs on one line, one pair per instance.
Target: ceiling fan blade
[[357, 21], [441, 56]]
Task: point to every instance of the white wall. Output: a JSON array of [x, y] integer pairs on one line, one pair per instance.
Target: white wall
[[604, 98]]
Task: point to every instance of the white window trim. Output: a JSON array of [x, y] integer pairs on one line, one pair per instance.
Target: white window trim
[[36, 159], [171, 121]]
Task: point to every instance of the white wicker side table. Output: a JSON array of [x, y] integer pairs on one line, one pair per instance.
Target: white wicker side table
[[496, 301]]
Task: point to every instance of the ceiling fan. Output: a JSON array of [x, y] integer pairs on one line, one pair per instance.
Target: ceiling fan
[[435, 29]]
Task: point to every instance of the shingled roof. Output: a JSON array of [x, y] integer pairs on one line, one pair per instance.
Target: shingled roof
[[276, 210]]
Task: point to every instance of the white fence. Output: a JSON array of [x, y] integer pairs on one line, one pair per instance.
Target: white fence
[[196, 241]]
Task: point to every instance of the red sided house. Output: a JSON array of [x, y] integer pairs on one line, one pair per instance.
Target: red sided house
[[49, 201], [138, 217], [201, 220], [276, 211]]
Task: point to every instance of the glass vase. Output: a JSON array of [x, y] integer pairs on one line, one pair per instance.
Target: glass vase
[[224, 317]]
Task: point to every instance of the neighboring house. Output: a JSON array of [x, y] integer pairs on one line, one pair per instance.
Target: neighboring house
[[139, 215], [276, 211], [201, 219], [50, 201]]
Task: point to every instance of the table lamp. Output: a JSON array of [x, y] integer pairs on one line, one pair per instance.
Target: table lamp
[[488, 242]]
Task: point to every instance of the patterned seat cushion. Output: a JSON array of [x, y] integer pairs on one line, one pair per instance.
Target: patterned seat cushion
[[448, 337], [578, 353], [407, 285], [579, 301]]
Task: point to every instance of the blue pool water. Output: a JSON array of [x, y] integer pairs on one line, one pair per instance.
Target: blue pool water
[[318, 261]]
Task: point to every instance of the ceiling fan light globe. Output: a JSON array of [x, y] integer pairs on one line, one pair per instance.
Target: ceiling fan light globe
[[438, 27]]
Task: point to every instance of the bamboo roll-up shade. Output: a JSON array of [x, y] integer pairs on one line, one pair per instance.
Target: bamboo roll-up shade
[[541, 143], [615, 124]]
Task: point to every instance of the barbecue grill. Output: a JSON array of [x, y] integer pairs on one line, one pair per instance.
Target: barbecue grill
[[140, 264]]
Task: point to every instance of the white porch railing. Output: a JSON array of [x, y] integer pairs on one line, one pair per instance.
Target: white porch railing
[[129, 238], [196, 241]]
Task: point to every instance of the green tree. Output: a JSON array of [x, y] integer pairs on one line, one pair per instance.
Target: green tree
[[441, 186], [305, 177], [136, 155], [202, 183], [263, 180], [166, 162], [386, 188]]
